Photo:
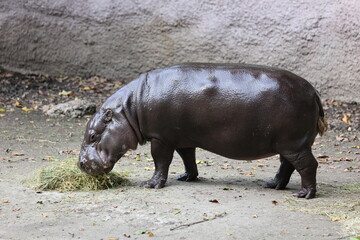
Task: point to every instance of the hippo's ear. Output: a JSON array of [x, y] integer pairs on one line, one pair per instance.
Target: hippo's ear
[[107, 116]]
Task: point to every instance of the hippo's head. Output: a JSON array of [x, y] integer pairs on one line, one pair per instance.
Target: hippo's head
[[107, 137]]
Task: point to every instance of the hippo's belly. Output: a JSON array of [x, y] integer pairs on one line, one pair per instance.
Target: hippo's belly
[[232, 113]]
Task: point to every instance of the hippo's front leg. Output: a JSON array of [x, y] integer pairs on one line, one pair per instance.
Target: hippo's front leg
[[162, 155]]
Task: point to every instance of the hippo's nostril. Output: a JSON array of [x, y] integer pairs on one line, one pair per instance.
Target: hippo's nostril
[[81, 164]]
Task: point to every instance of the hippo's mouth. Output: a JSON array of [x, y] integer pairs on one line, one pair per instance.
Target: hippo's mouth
[[99, 164]]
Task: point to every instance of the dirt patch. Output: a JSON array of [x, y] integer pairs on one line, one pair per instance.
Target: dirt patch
[[227, 188], [32, 90]]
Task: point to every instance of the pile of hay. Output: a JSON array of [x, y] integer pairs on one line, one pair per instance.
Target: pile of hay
[[340, 203], [66, 176]]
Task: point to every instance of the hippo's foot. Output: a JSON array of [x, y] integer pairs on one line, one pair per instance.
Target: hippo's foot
[[276, 184], [305, 193], [153, 183], [187, 177]]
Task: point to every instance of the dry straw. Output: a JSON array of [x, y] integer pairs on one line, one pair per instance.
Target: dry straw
[[66, 176], [338, 202]]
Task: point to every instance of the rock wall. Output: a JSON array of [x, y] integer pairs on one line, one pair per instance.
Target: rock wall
[[318, 40]]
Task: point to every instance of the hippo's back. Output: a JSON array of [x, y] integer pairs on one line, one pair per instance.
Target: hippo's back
[[241, 106]]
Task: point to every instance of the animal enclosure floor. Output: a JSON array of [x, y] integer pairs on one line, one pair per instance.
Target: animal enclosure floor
[[227, 188]]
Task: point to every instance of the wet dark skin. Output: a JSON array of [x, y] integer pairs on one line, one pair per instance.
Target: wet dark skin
[[242, 112]]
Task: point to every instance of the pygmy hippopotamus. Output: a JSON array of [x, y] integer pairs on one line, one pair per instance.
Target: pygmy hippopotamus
[[243, 112]]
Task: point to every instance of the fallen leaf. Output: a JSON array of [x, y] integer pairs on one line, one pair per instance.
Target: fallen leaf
[[345, 119], [199, 162], [2, 115], [254, 216], [323, 156], [149, 168], [5, 201], [214, 201], [139, 232], [86, 88], [17, 154], [177, 211], [229, 233], [113, 238], [150, 234], [274, 202], [249, 175], [126, 235], [343, 159], [64, 93], [25, 109], [2, 110], [335, 219], [18, 104]]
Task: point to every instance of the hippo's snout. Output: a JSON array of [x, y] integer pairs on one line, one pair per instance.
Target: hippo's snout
[[90, 167], [94, 166]]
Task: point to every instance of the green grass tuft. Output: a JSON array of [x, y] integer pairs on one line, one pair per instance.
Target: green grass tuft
[[66, 176]]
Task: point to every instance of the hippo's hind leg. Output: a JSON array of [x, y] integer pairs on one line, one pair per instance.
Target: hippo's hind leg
[[162, 155], [282, 176], [306, 164], [191, 171]]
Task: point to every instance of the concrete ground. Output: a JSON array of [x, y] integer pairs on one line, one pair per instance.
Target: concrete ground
[[227, 203]]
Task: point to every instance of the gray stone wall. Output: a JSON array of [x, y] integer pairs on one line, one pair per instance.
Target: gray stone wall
[[318, 40]]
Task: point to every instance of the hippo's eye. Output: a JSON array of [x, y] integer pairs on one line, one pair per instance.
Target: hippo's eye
[[92, 137]]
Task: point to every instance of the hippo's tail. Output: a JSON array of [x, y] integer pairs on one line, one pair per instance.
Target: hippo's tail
[[321, 123]]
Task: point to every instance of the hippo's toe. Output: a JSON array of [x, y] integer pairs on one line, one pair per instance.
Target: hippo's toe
[[305, 193], [276, 184], [187, 177], [153, 183]]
